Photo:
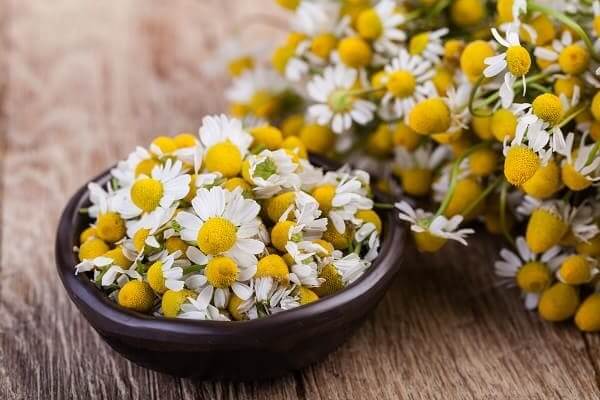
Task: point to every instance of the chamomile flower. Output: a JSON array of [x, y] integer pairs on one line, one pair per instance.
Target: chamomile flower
[[381, 24], [531, 273], [577, 269], [166, 273], [256, 92], [304, 269], [271, 172], [201, 309], [564, 55], [581, 166], [139, 162], [336, 104], [416, 169], [223, 223], [428, 45]]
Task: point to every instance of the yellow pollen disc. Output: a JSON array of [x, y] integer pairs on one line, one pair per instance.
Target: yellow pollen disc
[[272, 266], [369, 24], [443, 80], [322, 45], [355, 52], [118, 257], [466, 192], [574, 59], [155, 277], [184, 140], [430, 116], [573, 179], [544, 27], [216, 236], [234, 308], [466, 13], [277, 205], [288, 4], [416, 181], [174, 244], [165, 144], [590, 248], [596, 24], [558, 303], [473, 57], [521, 164], [595, 107], [504, 8], [295, 148], [281, 56], [533, 277], [518, 60], [192, 189], [575, 270], [324, 195], [139, 238], [172, 301], [146, 193], [401, 83], [238, 110], [263, 104], [318, 139], [267, 136], [338, 240], [545, 182], [587, 318], [333, 281], [404, 136], [110, 227], [377, 83], [483, 162], [221, 272], [137, 296], [238, 66], [233, 183], [482, 127], [87, 233], [292, 125], [544, 230], [280, 234], [566, 85], [548, 107], [225, 158], [428, 243], [340, 101], [145, 167], [370, 216], [418, 43], [307, 295], [325, 245], [92, 248], [452, 50]]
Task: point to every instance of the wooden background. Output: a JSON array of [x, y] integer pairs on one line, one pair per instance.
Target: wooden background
[[82, 82]]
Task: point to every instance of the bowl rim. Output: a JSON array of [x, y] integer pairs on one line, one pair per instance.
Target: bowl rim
[[110, 318]]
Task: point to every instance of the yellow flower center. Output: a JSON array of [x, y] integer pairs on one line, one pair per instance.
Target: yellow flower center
[[328, 247], [307, 296], [370, 216], [92, 248], [473, 57], [369, 24], [233, 183], [288, 4], [518, 60], [483, 162], [318, 139], [544, 28], [145, 167], [466, 192], [238, 66], [277, 205], [322, 45], [174, 244], [267, 136], [380, 142], [280, 234], [418, 43], [146, 193], [225, 158], [324, 195], [238, 110], [333, 281], [221, 272], [416, 181], [355, 52], [587, 318], [281, 56], [573, 179], [155, 277], [466, 13], [430, 116], [234, 308], [596, 24], [118, 257], [428, 243], [165, 144], [443, 80], [406, 137], [566, 85], [137, 296], [482, 127], [544, 230], [184, 140], [521, 164], [590, 248], [338, 240], [340, 101], [547, 107], [575, 270], [110, 227], [216, 236], [574, 59], [294, 148], [558, 303], [87, 233], [263, 104], [452, 50], [139, 238], [272, 266], [172, 301], [401, 83], [533, 277], [504, 8], [292, 125], [545, 182]]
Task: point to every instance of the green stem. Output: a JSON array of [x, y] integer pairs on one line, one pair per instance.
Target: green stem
[[439, 7], [483, 195], [539, 87], [581, 108], [568, 21], [593, 153], [383, 206], [503, 196]]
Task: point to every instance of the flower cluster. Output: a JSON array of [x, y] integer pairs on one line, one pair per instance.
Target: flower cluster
[[478, 110], [227, 225]]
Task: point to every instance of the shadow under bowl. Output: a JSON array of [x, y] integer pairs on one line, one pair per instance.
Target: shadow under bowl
[[241, 350]]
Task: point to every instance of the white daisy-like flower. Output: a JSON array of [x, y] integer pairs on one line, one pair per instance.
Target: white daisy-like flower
[[126, 171], [307, 215], [532, 272], [336, 105], [582, 164], [103, 201], [223, 223], [381, 25], [141, 232], [582, 221], [304, 271], [271, 172], [425, 157], [428, 45], [201, 309], [407, 81], [219, 130], [564, 54], [171, 271], [457, 99], [350, 267], [536, 137], [259, 82], [167, 184]]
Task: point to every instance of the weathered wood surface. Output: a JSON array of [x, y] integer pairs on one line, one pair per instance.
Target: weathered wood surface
[[84, 81]]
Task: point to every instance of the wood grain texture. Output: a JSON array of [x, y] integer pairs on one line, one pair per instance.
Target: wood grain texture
[[82, 82]]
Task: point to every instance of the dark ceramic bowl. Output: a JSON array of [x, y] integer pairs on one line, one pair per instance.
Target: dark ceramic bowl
[[243, 350]]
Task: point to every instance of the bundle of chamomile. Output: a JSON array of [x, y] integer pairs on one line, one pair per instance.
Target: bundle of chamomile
[[468, 110], [229, 224]]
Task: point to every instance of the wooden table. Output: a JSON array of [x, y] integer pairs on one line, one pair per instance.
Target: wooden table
[[85, 81]]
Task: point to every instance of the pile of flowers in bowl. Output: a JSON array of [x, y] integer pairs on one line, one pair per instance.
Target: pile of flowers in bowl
[[229, 224], [467, 109]]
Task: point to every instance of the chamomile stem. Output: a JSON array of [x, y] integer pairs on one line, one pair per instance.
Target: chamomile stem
[[568, 21], [483, 195], [503, 227], [384, 206], [439, 7], [365, 91], [581, 108], [593, 153], [454, 177]]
